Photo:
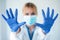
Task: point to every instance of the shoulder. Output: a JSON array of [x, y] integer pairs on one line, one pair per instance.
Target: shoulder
[[22, 30], [39, 31]]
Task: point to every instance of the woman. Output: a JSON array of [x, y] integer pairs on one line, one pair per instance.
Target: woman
[[30, 31], [26, 30]]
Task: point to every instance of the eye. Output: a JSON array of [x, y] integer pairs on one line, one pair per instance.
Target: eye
[[27, 13], [32, 13]]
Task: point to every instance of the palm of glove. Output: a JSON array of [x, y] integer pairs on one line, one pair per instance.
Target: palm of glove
[[12, 20], [48, 20]]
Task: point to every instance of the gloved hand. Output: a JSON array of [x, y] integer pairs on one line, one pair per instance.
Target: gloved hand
[[12, 20], [48, 20]]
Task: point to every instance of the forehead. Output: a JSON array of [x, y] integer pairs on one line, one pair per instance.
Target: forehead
[[29, 9]]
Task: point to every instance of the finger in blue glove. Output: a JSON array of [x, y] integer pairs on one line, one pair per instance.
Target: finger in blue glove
[[12, 20], [48, 20]]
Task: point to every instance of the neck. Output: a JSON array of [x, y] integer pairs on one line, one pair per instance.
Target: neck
[[31, 27]]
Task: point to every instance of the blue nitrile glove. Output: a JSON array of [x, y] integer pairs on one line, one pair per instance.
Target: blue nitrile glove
[[12, 20], [48, 20]]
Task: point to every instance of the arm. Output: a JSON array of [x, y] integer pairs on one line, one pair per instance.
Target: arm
[[48, 20], [12, 20], [13, 23], [14, 35]]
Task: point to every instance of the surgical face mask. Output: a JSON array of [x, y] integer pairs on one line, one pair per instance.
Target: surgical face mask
[[30, 20]]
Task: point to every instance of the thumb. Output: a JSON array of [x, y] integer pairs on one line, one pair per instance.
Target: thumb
[[39, 25], [20, 24]]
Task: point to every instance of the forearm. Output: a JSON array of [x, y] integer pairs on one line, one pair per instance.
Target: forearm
[[13, 35]]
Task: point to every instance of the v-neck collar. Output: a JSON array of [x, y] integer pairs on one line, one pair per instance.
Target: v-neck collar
[[30, 34]]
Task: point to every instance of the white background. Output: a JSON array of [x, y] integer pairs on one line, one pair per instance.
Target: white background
[[41, 4]]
